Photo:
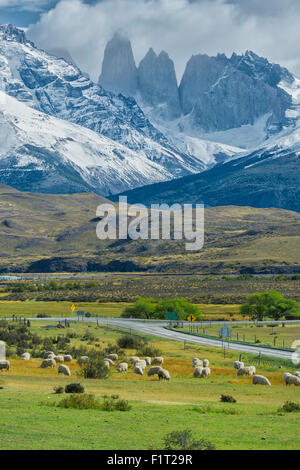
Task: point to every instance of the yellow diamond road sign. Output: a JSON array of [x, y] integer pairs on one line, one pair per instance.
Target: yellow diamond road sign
[[73, 308], [191, 318]]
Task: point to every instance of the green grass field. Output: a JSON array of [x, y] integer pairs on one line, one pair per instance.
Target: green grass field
[[157, 408], [278, 336], [32, 308]]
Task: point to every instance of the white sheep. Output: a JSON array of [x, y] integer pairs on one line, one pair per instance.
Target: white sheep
[[197, 362], [158, 360], [48, 363], [164, 374], [122, 367], [291, 380], [260, 380], [133, 359], [25, 356], [297, 373], [113, 357], [48, 355], [148, 361], [68, 358], [141, 363], [153, 371], [238, 365], [138, 370], [4, 365], [111, 363], [249, 371], [205, 363], [198, 372], [205, 372], [59, 358], [106, 363], [62, 369]]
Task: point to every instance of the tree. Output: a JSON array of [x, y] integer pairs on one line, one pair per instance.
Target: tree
[[270, 304], [152, 308]]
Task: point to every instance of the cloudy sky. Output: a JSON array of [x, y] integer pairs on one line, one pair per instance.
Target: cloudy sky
[[181, 27]]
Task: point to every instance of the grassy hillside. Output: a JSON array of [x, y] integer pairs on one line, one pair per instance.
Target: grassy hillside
[[57, 233]]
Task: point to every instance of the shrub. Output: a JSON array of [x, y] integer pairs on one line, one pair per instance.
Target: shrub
[[58, 390], [183, 440], [115, 403], [74, 388], [95, 369], [131, 342], [290, 407], [227, 399], [81, 402], [149, 350]]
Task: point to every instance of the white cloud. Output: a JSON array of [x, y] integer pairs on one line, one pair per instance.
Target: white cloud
[[26, 5], [181, 27]]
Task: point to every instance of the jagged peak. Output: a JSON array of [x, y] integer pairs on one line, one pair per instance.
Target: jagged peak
[[9, 32]]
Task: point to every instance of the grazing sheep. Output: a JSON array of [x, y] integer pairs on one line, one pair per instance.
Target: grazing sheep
[[122, 367], [197, 362], [4, 365], [49, 355], [111, 363], [153, 371], [62, 369], [138, 370], [113, 357], [297, 373], [205, 363], [83, 360], [249, 371], [141, 363], [198, 372], [59, 358], [48, 363], [291, 379], [25, 356], [106, 363], [260, 380], [238, 365], [205, 372], [68, 358], [148, 361], [158, 360], [164, 374], [133, 359]]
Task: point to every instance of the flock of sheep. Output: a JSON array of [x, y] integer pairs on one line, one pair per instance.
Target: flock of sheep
[[201, 367], [140, 365]]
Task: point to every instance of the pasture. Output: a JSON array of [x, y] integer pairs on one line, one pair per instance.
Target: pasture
[[157, 407]]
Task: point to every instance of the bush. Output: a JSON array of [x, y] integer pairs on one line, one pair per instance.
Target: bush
[[131, 342], [149, 350], [74, 388], [95, 369], [115, 403], [183, 440], [290, 407], [81, 402], [227, 399], [58, 390]]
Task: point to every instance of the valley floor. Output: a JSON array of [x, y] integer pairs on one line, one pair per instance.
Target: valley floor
[[157, 407]]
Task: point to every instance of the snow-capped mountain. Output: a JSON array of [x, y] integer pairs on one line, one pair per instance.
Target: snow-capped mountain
[[58, 88], [41, 153]]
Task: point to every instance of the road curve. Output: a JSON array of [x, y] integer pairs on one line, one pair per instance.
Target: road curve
[[160, 330]]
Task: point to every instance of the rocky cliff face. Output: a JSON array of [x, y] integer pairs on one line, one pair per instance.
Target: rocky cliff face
[[119, 73], [157, 84], [220, 93]]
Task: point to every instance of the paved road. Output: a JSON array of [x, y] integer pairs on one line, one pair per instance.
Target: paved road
[[158, 329]]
